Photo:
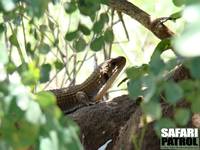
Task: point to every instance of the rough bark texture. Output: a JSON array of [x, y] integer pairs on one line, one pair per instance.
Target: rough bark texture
[[120, 121], [102, 121], [154, 25], [150, 140]]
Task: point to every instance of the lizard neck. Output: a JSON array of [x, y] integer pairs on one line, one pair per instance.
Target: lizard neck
[[93, 83]]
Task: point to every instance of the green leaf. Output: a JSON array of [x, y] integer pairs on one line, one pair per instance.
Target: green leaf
[[182, 116], [171, 64], [97, 44], [153, 109], [104, 2], [44, 48], [195, 104], [18, 133], [137, 72], [84, 29], [71, 35], [2, 28], [135, 88], [195, 67], [176, 15], [187, 85], [4, 88], [36, 8], [35, 34], [190, 96], [109, 36], [55, 1], [179, 3], [34, 113], [104, 17], [23, 137], [10, 67], [31, 75], [27, 78], [15, 103], [59, 65], [21, 68], [163, 123], [45, 99], [173, 92], [13, 40], [51, 24], [70, 7], [161, 47], [192, 2], [80, 45], [56, 42], [29, 50], [48, 143], [191, 90], [149, 83], [157, 64], [45, 72], [144, 86], [17, 21], [89, 8], [71, 139], [98, 27], [43, 28], [186, 45]]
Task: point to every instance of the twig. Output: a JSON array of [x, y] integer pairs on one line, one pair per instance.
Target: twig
[[18, 46], [156, 27]]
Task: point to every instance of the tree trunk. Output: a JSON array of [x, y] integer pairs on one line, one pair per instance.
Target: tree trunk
[[119, 122]]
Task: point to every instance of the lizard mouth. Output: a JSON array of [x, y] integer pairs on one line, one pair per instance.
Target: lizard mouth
[[117, 65]]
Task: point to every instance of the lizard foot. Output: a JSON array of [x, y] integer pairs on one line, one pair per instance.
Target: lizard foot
[[83, 98]]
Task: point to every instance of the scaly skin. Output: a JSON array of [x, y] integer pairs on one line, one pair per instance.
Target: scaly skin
[[92, 89]]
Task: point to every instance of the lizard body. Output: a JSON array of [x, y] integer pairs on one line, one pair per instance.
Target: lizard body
[[92, 89]]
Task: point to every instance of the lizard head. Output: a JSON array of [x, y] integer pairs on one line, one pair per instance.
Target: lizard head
[[112, 67], [109, 71]]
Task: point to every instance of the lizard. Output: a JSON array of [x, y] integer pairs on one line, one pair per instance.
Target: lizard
[[92, 90]]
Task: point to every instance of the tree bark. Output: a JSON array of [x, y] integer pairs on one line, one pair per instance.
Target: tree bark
[[156, 26], [119, 121], [102, 122]]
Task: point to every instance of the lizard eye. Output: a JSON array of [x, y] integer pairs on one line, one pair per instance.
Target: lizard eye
[[113, 64], [106, 77]]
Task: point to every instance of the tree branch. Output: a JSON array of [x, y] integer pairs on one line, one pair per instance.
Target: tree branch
[[102, 121], [155, 26]]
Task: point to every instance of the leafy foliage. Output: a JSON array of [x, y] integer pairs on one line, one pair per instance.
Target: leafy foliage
[[186, 49], [29, 119], [28, 34]]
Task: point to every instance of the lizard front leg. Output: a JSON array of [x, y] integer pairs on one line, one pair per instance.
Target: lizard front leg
[[83, 98]]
